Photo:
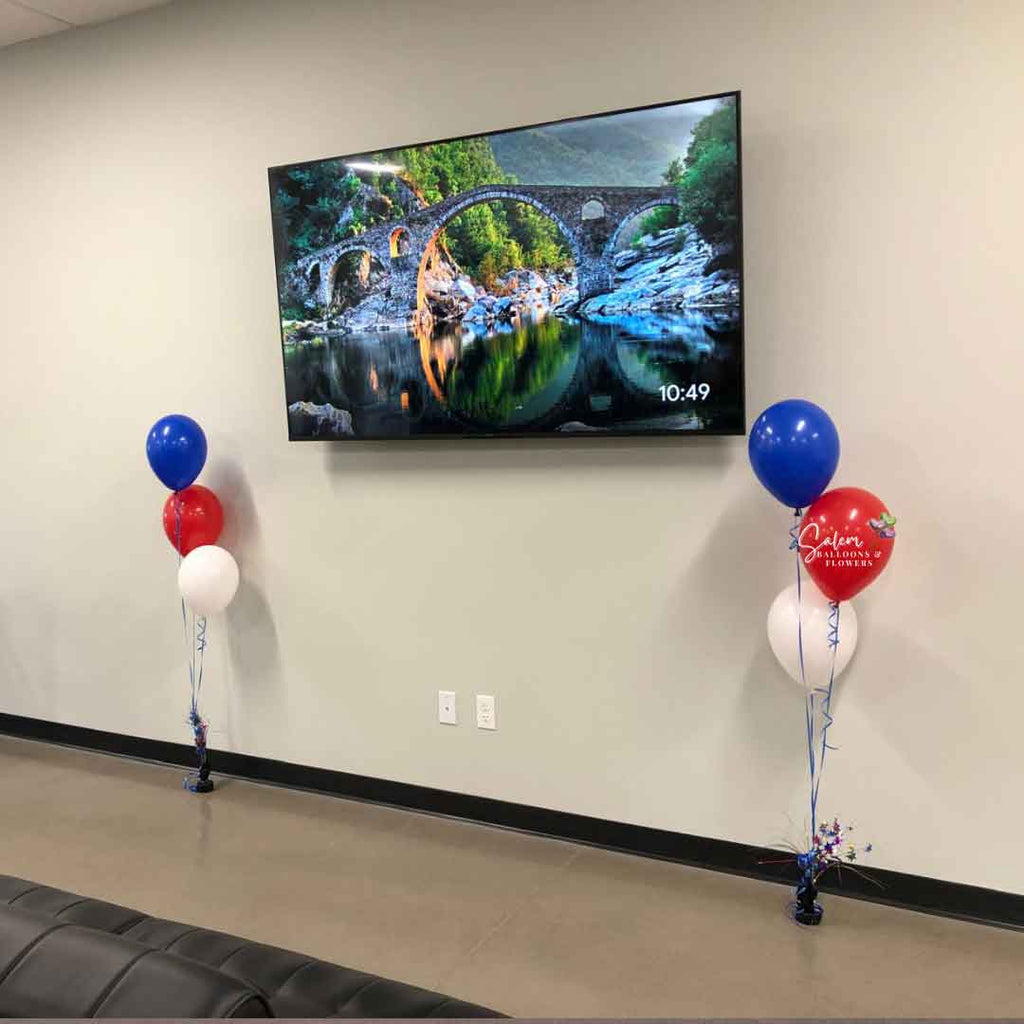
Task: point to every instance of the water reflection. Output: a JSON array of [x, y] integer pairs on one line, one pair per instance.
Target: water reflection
[[507, 377], [674, 348], [546, 375]]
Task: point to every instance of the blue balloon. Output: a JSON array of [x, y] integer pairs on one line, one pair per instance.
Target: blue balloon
[[176, 449], [794, 449]]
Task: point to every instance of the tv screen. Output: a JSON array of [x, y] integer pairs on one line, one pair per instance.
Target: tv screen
[[574, 278]]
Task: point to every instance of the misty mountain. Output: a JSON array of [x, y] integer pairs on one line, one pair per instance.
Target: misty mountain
[[620, 149]]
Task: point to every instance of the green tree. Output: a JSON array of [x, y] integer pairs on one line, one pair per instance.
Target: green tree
[[309, 205], [661, 218], [673, 174], [708, 189], [512, 234]]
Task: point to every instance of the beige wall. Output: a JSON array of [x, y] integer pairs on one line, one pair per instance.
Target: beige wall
[[612, 595]]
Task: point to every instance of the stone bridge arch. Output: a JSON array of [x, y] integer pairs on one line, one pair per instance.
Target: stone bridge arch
[[315, 274], [444, 212], [399, 241], [651, 204], [401, 247], [329, 268]]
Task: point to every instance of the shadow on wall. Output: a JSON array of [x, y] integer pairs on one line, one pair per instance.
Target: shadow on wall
[[580, 454], [897, 679], [251, 632], [771, 731], [27, 655], [711, 662], [714, 614]]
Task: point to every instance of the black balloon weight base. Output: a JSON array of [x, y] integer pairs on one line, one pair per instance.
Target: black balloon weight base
[[807, 910], [812, 915], [201, 781]]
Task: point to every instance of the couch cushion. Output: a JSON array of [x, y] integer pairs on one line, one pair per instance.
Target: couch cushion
[[21, 929], [52, 969], [293, 985], [168, 986], [297, 985], [68, 907]]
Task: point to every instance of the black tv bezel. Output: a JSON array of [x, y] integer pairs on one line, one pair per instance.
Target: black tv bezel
[[544, 435]]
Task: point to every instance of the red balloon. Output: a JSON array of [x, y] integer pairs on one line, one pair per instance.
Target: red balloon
[[845, 540], [194, 516]]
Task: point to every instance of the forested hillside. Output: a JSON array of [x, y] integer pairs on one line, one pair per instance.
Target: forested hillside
[[633, 148], [583, 156]]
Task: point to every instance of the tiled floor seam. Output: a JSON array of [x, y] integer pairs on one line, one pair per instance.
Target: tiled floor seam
[[506, 919]]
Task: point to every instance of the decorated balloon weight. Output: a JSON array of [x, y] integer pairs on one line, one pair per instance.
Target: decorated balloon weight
[[207, 574], [845, 541], [193, 517]]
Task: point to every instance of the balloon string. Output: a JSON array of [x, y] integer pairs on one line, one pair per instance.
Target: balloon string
[[190, 647], [809, 693], [177, 525], [833, 642], [184, 626], [816, 765], [196, 645], [200, 648]]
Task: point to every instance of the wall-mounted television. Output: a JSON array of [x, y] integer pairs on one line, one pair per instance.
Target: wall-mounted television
[[574, 278]]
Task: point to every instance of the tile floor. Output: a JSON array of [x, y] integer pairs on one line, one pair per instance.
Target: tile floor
[[529, 926]]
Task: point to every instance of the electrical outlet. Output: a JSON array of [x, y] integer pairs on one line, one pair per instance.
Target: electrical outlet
[[446, 713], [486, 715]]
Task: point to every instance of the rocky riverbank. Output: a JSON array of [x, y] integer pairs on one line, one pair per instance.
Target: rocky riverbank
[[517, 295], [307, 419], [452, 297], [671, 270], [668, 271]]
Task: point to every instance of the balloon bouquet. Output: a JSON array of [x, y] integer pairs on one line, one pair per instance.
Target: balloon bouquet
[[844, 541], [207, 574]]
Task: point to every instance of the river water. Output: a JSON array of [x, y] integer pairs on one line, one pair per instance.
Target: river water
[[648, 373]]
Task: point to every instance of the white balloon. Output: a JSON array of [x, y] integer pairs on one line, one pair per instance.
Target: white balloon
[[812, 612], [208, 579]]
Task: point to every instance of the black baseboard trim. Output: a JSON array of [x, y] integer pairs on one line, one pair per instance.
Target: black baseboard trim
[[876, 885]]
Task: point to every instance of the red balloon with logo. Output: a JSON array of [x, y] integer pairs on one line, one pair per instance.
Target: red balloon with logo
[[846, 540], [193, 517]]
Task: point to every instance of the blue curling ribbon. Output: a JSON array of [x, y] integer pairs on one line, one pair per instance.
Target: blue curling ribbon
[[198, 647], [195, 639], [809, 712], [827, 719], [816, 764], [177, 525]]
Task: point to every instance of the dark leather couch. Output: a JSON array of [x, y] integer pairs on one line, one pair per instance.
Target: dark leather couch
[[63, 955]]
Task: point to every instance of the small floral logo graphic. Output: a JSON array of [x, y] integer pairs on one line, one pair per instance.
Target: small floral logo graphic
[[884, 525]]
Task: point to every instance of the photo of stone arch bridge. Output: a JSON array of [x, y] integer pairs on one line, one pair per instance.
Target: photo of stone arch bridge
[[590, 218], [573, 277]]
